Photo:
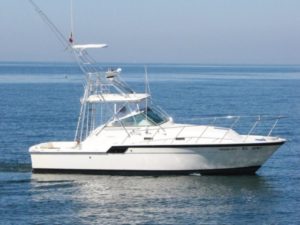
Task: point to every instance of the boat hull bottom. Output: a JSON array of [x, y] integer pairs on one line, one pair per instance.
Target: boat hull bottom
[[251, 170]]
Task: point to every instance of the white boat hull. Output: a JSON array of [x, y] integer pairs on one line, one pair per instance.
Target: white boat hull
[[157, 159], [120, 131]]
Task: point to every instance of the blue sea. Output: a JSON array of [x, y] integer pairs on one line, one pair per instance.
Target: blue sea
[[40, 102]]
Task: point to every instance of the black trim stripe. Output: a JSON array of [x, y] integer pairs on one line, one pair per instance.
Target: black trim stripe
[[231, 171], [75, 152], [206, 145], [117, 149]]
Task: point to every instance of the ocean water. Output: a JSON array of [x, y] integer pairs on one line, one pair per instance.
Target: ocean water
[[40, 102]]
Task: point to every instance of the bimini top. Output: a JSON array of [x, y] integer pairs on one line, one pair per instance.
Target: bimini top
[[86, 46], [117, 98]]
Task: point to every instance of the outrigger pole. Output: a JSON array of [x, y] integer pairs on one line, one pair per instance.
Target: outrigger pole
[[61, 38], [96, 81]]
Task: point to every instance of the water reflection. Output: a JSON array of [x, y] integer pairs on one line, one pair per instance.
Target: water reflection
[[116, 199]]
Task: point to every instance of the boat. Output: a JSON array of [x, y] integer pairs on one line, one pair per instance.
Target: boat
[[121, 132]]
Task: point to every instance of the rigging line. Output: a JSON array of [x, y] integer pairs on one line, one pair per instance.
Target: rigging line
[[50, 24], [122, 86], [86, 62], [89, 58]]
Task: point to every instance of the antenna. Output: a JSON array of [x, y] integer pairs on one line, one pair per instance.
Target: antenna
[[146, 91], [71, 40], [147, 86], [146, 80]]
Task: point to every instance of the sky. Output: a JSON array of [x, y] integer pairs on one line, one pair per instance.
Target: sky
[[156, 31]]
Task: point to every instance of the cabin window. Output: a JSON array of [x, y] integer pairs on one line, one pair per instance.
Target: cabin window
[[154, 116], [145, 117]]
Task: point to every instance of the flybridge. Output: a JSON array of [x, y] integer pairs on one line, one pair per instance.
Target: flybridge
[[109, 97]]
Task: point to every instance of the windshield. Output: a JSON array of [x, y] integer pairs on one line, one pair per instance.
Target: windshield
[[145, 117]]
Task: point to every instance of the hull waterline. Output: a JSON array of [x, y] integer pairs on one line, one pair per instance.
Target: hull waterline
[[216, 172]]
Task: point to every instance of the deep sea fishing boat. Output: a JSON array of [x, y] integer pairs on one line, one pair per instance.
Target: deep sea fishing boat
[[123, 132]]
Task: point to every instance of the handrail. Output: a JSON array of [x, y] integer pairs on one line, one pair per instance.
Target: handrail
[[274, 125], [252, 128], [264, 117], [196, 137], [142, 128]]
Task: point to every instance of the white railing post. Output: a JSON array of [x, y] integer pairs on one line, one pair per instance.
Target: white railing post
[[274, 125], [215, 118], [253, 127], [180, 131]]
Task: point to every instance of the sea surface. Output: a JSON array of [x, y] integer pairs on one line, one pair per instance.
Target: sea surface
[[40, 102]]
